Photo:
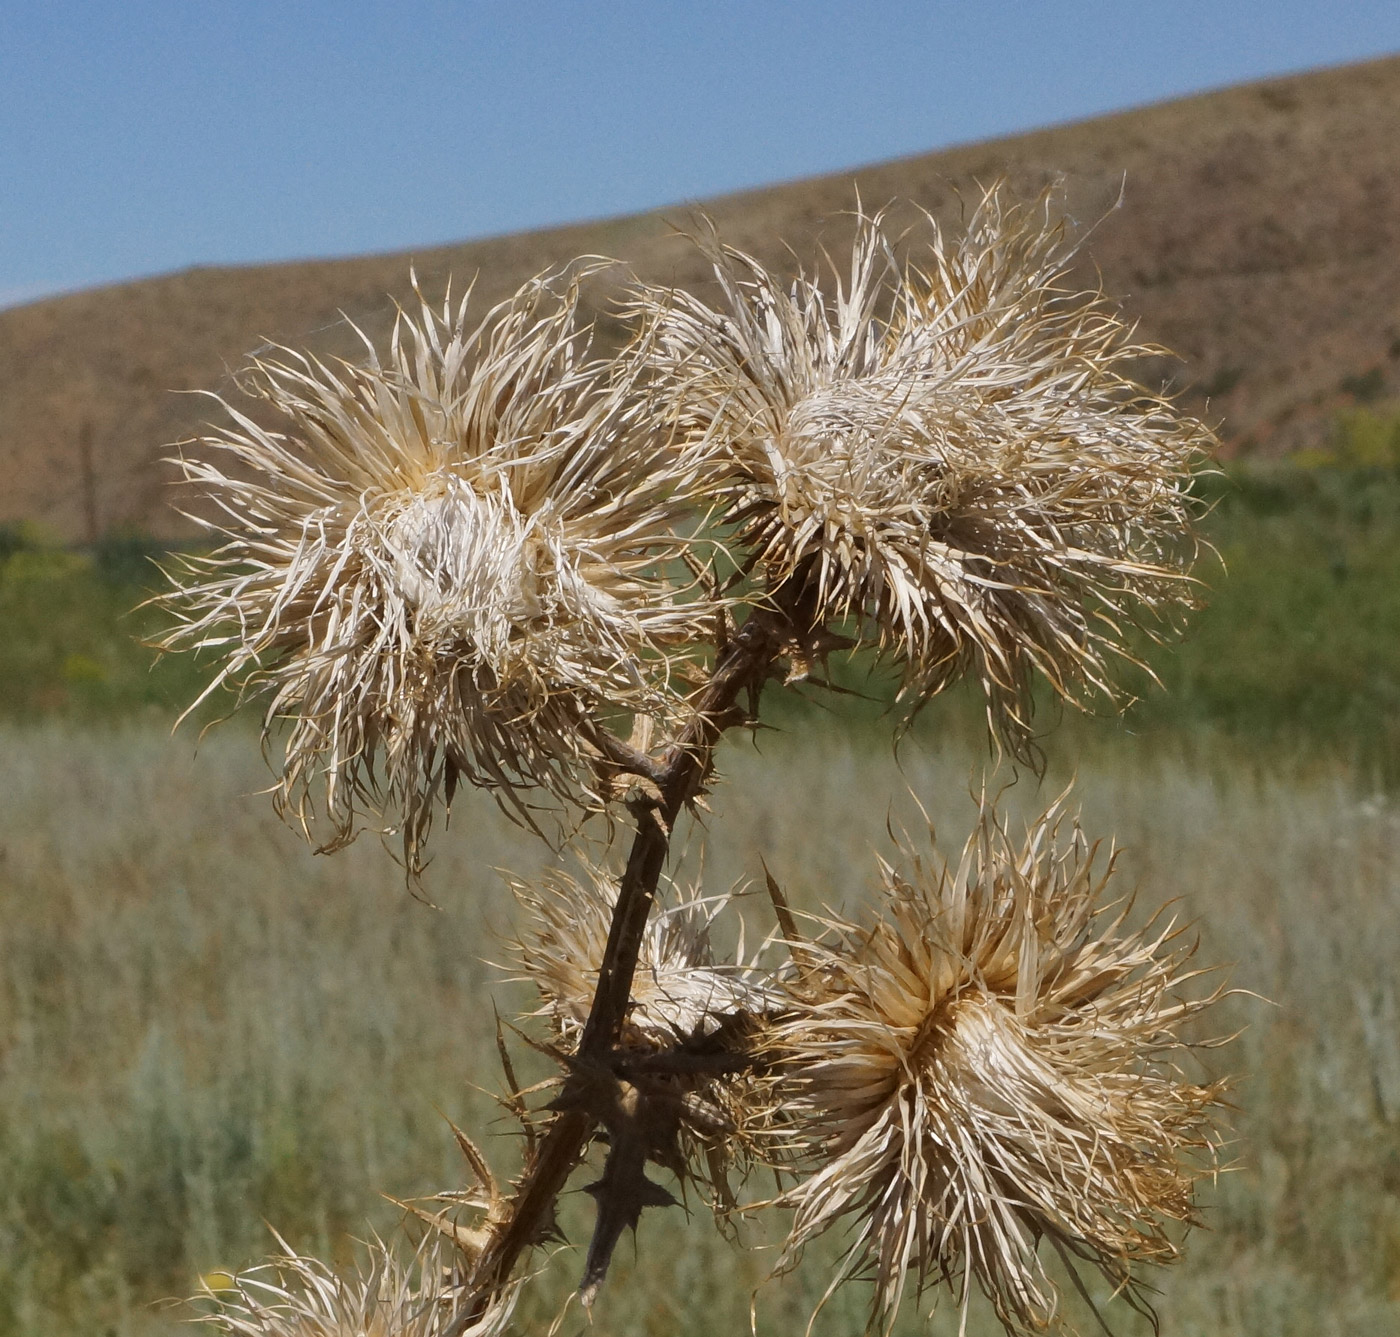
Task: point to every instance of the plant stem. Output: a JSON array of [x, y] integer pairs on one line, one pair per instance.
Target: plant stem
[[744, 665]]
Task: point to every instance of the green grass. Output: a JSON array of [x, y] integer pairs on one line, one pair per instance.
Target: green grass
[[1300, 640], [203, 1026], [71, 632], [1299, 645]]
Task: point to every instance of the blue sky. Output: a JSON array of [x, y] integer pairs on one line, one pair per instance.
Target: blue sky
[[146, 136]]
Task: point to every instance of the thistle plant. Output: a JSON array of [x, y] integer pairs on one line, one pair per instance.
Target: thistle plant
[[292, 1296], [989, 1066], [495, 557], [445, 566]]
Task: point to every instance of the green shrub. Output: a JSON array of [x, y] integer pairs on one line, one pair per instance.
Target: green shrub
[[73, 625]]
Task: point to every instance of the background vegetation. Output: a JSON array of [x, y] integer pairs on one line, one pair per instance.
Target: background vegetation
[[204, 1027], [1298, 646]]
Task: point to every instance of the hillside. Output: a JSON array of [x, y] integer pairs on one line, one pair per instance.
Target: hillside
[[1258, 235]]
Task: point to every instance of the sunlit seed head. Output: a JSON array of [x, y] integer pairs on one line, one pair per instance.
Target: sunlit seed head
[[680, 989], [294, 1296], [949, 454], [444, 564], [990, 1070]]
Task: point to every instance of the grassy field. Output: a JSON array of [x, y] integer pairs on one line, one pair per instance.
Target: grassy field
[[204, 1028], [1298, 646]]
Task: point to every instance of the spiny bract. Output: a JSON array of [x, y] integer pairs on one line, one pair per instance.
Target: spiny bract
[[686, 1039], [292, 1296], [988, 1066], [679, 989], [444, 565], [950, 457]]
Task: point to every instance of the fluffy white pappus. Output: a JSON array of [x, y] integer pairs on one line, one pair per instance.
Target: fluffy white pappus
[[446, 565], [689, 1036], [679, 990], [990, 1067], [294, 1296], [949, 455]]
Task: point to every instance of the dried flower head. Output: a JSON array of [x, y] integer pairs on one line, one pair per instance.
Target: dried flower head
[[693, 1020], [443, 565], [990, 1066], [679, 989], [949, 456], [292, 1296]]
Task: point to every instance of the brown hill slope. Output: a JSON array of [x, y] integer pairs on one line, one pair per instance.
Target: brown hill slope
[[1259, 236]]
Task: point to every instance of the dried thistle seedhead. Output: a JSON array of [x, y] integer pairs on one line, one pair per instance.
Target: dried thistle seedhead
[[951, 456], [292, 1296], [991, 1065], [681, 1068], [443, 565], [679, 989]]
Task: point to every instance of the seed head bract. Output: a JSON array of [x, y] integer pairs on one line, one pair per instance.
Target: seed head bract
[[990, 1068], [293, 1296], [679, 989], [947, 456], [694, 1017], [442, 565]]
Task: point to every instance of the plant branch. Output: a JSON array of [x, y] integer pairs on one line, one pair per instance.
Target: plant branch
[[743, 665], [623, 756]]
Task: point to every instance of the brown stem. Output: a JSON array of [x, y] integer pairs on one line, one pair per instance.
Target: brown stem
[[744, 664], [624, 756]]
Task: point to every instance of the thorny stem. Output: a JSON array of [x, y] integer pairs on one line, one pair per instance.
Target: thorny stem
[[744, 664]]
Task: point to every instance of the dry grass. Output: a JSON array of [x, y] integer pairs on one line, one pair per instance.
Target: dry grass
[[202, 1025]]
